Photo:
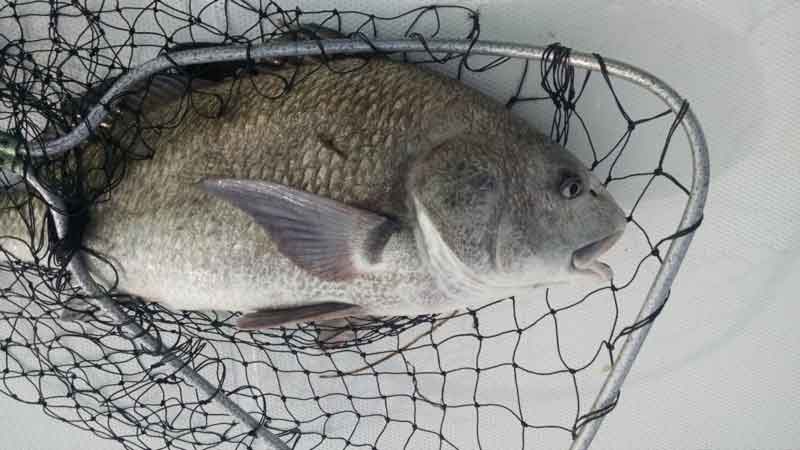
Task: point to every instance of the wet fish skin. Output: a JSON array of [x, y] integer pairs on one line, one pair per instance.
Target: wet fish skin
[[345, 137], [477, 195]]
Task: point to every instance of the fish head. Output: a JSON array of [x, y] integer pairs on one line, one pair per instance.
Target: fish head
[[495, 215]]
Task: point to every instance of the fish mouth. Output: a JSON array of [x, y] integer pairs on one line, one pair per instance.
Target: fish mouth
[[584, 259]]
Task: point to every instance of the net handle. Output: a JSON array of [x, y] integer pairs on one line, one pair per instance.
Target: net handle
[[692, 213]]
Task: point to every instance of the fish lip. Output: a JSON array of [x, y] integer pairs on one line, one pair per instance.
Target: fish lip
[[584, 259]]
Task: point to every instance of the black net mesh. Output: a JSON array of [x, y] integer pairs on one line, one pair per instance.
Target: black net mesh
[[521, 370]]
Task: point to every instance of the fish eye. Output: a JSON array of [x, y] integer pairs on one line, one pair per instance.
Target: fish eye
[[571, 186]]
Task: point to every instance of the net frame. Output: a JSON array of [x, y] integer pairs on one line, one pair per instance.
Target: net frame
[[659, 290]]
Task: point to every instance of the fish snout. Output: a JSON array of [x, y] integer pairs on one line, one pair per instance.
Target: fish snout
[[585, 259], [612, 213]]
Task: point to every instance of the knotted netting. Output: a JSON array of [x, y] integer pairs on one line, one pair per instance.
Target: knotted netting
[[515, 373]]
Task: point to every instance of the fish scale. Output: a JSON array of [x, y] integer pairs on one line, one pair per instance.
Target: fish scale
[[390, 188], [265, 140]]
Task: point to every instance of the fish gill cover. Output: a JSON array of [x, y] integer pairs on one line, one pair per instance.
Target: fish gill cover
[[522, 371]]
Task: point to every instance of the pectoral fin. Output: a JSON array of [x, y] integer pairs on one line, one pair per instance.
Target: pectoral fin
[[329, 239], [270, 318]]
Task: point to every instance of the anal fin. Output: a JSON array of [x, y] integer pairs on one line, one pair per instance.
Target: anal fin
[[275, 317]]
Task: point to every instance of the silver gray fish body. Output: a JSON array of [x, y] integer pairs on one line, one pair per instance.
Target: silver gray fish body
[[388, 190]]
